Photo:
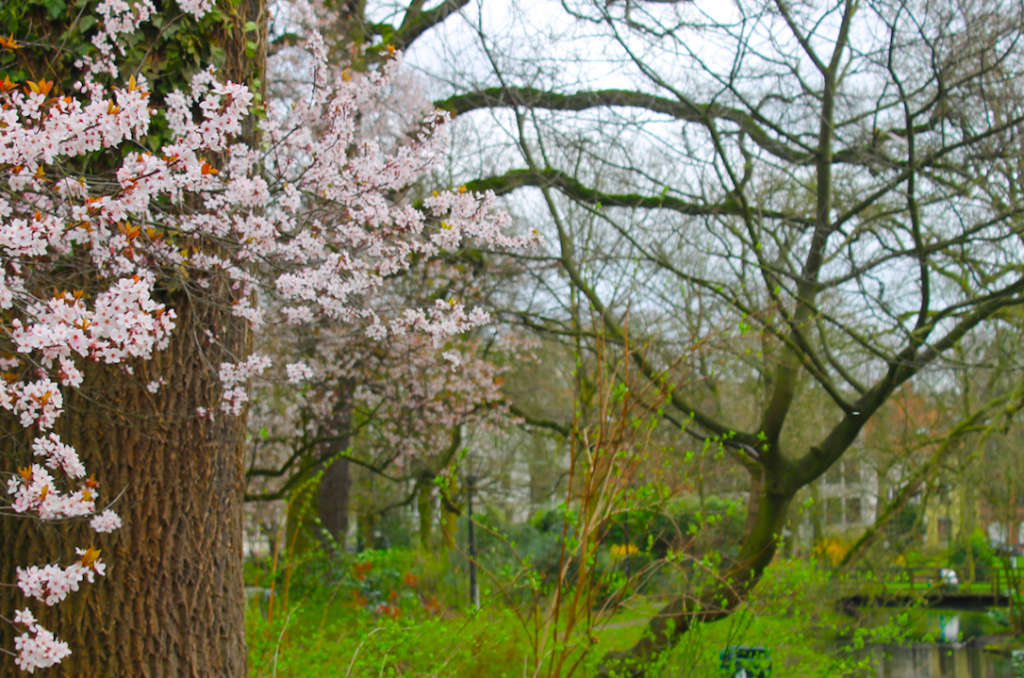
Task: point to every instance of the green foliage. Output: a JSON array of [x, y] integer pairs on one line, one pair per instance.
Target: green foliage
[[978, 548], [999, 616], [375, 613], [906, 528], [168, 50]]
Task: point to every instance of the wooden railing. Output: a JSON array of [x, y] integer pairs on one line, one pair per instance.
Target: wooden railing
[[926, 576], [1002, 580]]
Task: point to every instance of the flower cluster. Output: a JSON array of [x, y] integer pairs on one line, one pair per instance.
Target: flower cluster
[[233, 376], [405, 392], [59, 455], [105, 522], [37, 648], [298, 372], [36, 403], [34, 491], [124, 323], [52, 584]]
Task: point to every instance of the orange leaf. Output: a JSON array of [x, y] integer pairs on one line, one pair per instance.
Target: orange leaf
[[42, 87], [90, 556]]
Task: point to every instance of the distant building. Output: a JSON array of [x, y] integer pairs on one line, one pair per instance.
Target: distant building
[[848, 497], [1004, 525]]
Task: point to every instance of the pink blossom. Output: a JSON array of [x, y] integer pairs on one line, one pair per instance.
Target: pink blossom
[[196, 8], [39, 648], [108, 521], [298, 372], [59, 455]]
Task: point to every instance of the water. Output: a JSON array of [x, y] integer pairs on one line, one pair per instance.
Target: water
[[947, 659], [939, 661]]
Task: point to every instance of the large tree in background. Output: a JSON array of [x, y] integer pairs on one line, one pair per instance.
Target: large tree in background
[[324, 416], [833, 186]]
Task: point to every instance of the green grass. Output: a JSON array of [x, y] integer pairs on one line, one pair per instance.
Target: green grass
[[330, 630]]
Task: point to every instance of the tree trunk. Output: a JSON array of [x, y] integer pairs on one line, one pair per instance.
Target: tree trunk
[[793, 526], [753, 499], [450, 517], [172, 602], [335, 491], [425, 506], [367, 516], [817, 531], [333, 498], [541, 468]]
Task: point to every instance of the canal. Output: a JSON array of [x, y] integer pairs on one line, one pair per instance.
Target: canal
[[938, 661], [959, 652]]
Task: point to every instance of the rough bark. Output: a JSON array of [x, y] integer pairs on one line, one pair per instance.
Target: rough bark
[[172, 602], [245, 50]]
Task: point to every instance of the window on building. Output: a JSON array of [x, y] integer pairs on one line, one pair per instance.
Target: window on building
[[834, 474], [945, 525], [997, 533], [834, 511], [853, 511], [851, 472]]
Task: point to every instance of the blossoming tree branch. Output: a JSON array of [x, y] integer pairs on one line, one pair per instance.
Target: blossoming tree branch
[[97, 267]]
